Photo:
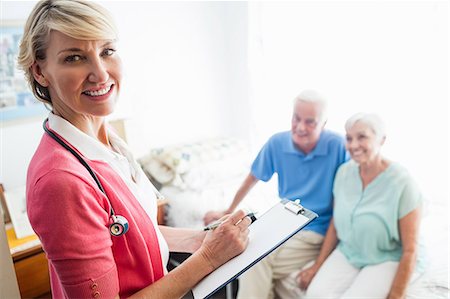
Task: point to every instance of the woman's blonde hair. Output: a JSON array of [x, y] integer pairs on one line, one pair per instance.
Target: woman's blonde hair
[[76, 18]]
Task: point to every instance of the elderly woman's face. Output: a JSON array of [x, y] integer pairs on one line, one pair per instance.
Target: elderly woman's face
[[83, 77], [362, 143]]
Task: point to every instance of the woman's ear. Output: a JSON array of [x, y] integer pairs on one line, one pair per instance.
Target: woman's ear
[[37, 74]]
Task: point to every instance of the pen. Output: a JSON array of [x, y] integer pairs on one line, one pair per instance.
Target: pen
[[215, 224]]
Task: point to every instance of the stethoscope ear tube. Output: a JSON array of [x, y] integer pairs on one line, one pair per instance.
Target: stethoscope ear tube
[[120, 224]]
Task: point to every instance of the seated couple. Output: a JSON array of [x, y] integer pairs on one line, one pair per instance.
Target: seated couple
[[364, 244]]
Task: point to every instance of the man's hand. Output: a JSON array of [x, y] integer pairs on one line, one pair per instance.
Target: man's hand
[[213, 216]]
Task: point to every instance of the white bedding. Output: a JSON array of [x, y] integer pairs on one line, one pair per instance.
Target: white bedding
[[187, 207], [434, 282]]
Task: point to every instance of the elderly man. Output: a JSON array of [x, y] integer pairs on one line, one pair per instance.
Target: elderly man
[[306, 160]]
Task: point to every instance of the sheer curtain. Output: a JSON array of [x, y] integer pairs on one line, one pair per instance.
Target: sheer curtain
[[390, 58]]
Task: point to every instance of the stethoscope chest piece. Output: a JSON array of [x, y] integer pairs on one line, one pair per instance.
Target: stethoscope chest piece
[[119, 226]]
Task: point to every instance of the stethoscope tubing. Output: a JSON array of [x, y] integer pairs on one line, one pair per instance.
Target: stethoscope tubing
[[79, 158]]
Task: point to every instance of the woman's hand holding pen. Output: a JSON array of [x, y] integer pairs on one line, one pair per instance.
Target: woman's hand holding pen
[[226, 241]]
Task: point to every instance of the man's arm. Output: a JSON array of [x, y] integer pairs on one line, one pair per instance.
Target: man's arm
[[246, 186]]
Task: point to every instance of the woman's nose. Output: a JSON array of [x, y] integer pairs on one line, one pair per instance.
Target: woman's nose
[[351, 144], [99, 72]]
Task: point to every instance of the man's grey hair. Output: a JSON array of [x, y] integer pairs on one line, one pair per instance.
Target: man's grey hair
[[312, 96], [372, 120]]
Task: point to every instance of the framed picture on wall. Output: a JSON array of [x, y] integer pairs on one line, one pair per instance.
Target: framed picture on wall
[[16, 99]]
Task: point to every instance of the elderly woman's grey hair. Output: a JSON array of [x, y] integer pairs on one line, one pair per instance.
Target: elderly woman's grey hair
[[312, 96], [373, 121]]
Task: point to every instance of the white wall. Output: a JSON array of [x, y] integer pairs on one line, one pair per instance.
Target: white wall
[[185, 69], [387, 57], [185, 77]]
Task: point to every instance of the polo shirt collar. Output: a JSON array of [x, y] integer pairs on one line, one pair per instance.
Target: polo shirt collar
[[89, 147], [321, 148]]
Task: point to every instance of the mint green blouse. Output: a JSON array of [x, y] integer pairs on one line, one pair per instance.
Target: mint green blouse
[[367, 221]]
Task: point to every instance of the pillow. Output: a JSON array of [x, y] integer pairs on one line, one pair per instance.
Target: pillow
[[181, 158], [158, 171], [216, 173], [168, 164]]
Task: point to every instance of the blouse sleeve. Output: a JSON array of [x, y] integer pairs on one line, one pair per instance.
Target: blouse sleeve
[[410, 198], [70, 217]]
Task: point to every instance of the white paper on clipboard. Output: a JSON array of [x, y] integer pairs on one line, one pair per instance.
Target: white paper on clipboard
[[267, 233]]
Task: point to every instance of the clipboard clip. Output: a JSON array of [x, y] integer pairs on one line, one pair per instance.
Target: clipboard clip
[[295, 207]]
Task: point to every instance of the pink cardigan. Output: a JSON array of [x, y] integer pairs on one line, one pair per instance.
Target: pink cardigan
[[70, 215]]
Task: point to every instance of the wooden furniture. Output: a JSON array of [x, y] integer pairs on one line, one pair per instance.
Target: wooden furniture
[[8, 282], [162, 211], [32, 273], [30, 265]]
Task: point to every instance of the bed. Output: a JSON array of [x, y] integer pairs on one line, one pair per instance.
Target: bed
[[204, 175]]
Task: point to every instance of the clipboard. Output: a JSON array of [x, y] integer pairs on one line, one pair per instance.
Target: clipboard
[[267, 233]]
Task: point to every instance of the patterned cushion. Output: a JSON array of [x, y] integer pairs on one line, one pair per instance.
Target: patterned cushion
[[167, 164]]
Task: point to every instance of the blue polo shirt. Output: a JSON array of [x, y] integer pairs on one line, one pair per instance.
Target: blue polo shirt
[[308, 177]]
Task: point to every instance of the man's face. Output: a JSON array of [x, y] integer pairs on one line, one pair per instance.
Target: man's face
[[306, 125]]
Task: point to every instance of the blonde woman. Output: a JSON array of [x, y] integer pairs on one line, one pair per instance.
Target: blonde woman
[[87, 199]]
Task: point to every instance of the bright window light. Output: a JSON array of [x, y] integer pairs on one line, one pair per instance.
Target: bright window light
[[386, 57]]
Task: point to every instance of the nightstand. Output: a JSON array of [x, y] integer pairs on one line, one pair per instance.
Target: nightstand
[[30, 265]]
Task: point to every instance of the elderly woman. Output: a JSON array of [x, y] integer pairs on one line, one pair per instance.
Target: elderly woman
[[87, 199], [375, 223]]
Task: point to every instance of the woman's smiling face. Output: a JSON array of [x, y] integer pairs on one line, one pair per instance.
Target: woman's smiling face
[[83, 77], [362, 143]]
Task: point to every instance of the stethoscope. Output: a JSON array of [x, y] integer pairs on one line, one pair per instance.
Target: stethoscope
[[119, 224]]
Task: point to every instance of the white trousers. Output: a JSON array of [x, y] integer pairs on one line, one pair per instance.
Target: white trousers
[[264, 280], [337, 278]]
